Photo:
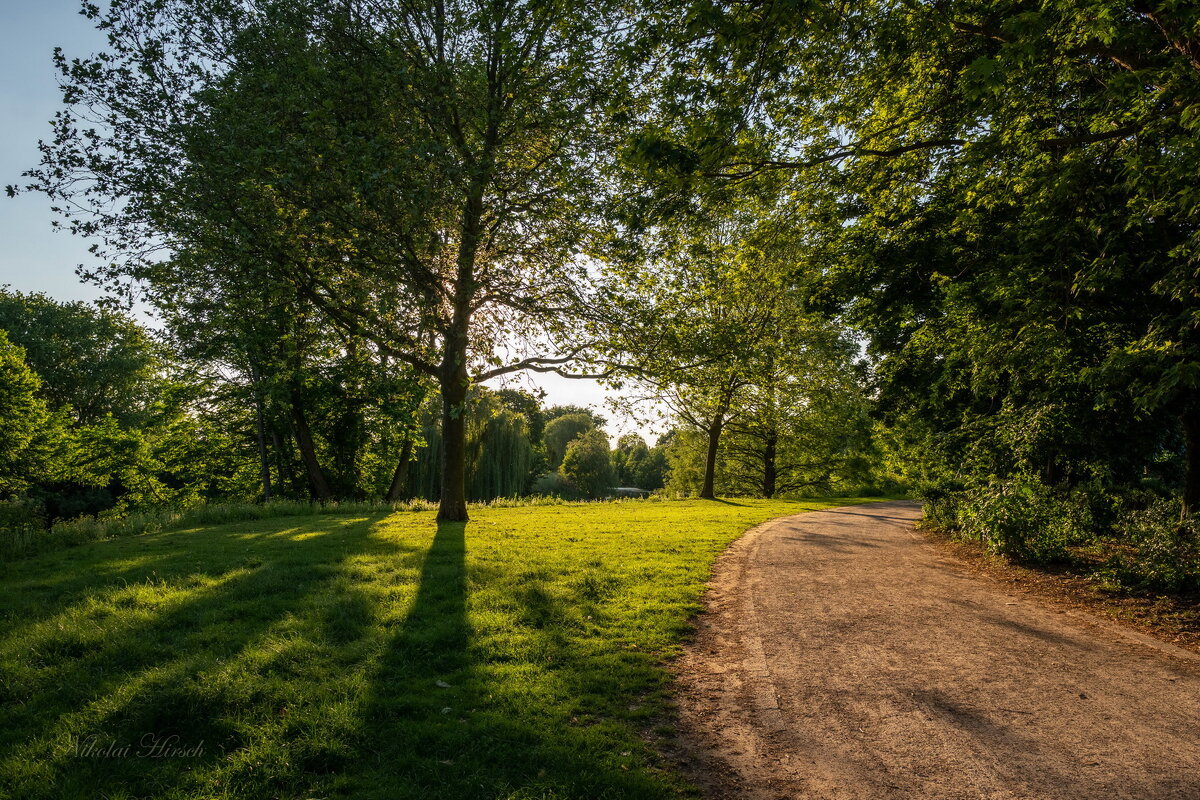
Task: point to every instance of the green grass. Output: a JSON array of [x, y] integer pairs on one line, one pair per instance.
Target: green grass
[[520, 655]]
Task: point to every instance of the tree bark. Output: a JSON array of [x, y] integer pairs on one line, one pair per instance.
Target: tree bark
[[453, 377], [1191, 480], [453, 504], [770, 467], [308, 452], [708, 492], [260, 431], [395, 492]]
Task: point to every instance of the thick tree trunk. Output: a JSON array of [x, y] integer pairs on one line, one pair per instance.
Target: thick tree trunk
[[1191, 480], [770, 468], [708, 492], [308, 452], [395, 492], [452, 375], [453, 505]]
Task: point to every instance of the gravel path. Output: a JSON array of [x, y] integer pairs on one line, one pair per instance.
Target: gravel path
[[843, 656]]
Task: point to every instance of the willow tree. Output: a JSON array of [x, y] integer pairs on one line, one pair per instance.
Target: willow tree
[[420, 172]]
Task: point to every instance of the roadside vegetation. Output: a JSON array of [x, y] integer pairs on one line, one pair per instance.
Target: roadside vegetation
[[361, 655]]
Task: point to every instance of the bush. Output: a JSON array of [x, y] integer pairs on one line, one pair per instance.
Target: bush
[[941, 502], [552, 484], [1163, 553], [1020, 518]]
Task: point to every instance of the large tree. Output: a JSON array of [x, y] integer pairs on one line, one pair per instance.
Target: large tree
[[1012, 187], [421, 173]]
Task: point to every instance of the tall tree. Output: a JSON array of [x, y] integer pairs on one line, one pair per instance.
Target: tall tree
[[422, 173], [1012, 186], [691, 315]]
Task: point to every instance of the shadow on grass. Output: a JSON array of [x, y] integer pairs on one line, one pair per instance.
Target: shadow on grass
[[323, 660], [423, 684], [454, 717], [187, 649]]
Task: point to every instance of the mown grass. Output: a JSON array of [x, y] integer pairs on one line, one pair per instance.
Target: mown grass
[[520, 655]]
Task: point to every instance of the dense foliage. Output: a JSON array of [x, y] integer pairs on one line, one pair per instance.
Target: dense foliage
[[1001, 197], [829, 246]]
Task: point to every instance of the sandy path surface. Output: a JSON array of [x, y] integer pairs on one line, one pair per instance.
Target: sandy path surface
[[843, 656]]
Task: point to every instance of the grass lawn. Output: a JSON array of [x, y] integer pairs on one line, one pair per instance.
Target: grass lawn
[[520, 655]]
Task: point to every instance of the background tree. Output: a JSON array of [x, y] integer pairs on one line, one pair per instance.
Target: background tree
[[560, 432], [694, 314], [587, 464], [1004, 189], [24, 421], [803, 416], [91, 362]]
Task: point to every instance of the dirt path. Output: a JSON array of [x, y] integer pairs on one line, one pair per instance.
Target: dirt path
[[843, 656]]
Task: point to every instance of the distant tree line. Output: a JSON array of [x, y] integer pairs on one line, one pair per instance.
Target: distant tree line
[[102, 416]]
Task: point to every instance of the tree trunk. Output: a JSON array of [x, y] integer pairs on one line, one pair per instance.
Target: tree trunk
[[395, 492], [308, 452], [1191, 481], [261, 434], [770, 468], [708, 492], [453, 505], [452, 375]]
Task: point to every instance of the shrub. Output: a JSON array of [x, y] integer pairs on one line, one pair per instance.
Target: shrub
[[941, 503], [1023, 519], [552, 484], [1163, 553]]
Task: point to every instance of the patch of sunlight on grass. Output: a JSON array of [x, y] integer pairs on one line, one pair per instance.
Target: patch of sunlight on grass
[[383, 655]]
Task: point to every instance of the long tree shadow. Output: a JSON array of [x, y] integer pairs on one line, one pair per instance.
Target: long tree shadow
[[424, 684], [456, 717], [177, 654]]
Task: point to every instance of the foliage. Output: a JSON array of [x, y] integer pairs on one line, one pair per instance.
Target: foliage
[[503, 466], [92, 362], [587, 464], [520, 655], [1025, 520], [1155, 551], [24, 420], [120, 428], [422, 175], [554, 412], [560, 431], [1001, 197], [553, 484], [637, 465]]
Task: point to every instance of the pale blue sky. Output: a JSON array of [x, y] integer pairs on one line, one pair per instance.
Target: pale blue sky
[[34, 257]]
